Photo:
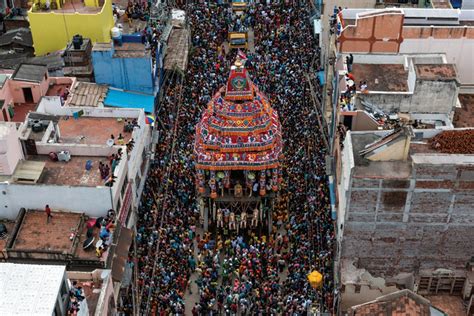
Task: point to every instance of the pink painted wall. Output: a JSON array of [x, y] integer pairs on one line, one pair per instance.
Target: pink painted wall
[[12, 91], [38, 90], [10, 149], [6, 95]]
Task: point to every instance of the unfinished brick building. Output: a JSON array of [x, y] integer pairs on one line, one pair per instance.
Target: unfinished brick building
[[406, 215]]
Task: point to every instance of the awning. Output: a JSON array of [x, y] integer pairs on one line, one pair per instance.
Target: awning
[[124, 99], [121, 254]]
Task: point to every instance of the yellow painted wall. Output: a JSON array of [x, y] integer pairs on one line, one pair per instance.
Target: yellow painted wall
[[396, 151], [52, 31], [91, 3]]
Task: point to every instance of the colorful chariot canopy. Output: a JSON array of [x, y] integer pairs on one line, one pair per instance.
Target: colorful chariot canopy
[[239, 130]]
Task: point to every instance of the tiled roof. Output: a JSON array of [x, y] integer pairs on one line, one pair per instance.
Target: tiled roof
[[20, 36], [400, 306], [400, 303]]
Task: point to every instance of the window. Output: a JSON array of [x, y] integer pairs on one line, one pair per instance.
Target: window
[[357, 288]]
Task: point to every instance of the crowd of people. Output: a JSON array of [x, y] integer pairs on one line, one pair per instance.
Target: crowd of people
[[253, 274]]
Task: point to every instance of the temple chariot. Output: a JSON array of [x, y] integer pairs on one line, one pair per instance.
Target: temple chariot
[[238, 148]]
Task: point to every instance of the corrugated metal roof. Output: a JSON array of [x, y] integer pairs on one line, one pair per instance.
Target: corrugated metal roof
[[20, 36]]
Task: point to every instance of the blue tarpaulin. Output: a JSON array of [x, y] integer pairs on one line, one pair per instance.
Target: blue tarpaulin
[[321, 77], [123, 99]]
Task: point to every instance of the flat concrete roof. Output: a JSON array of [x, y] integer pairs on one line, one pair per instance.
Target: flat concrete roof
[[381, 77], [131, 50], [443, 159], [384, 169], [71, 173], [91, 130], [34, 233], [102, 46], [436, 72]]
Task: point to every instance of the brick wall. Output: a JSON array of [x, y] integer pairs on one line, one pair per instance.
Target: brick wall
[[403, 225]]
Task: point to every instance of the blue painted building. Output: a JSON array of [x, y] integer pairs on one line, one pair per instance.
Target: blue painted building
[[129, 67]]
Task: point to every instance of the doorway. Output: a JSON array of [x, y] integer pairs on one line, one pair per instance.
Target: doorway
[[5, 115], [28, 95], [30, 147]]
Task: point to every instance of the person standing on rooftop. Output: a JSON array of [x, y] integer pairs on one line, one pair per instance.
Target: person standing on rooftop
[[48, 213]]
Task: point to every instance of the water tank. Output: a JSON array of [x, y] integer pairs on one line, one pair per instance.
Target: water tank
[[116, 36], [77, 41], [37, 127], [116, 33]]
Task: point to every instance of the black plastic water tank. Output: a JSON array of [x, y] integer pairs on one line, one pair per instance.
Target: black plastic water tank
[[77, 41]]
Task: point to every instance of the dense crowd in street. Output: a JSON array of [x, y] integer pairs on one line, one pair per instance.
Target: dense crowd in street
[[260, 274]]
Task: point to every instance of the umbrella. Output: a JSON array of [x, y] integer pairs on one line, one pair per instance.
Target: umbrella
[[150, 119], [315, 279]]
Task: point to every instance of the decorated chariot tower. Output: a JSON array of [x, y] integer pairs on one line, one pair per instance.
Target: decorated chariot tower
[[237, 149]]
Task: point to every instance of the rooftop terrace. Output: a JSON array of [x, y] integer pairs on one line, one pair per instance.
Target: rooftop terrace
[[71, 173], [62, 238], [35, 233], [133, 50], [381, 77], [436, 72], [21, 110], [91, 130]]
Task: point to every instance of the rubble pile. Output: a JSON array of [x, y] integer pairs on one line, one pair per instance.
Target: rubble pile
[[454, 142]]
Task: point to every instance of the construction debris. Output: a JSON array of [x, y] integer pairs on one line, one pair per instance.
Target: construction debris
[[454, 142]]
